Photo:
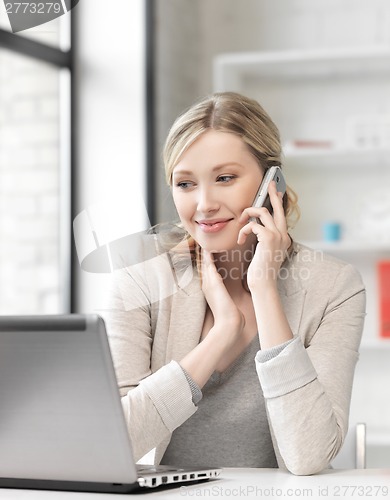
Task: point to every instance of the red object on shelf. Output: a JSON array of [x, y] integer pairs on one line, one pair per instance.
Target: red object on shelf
[[311, 143], [384, 298]]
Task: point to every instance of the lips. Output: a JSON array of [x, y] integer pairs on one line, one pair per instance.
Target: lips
[[213, 225]]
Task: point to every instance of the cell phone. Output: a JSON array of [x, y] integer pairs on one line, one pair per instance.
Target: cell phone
[[262, 197]]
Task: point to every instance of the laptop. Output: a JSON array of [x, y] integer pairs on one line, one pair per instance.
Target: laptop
[[62, 425]]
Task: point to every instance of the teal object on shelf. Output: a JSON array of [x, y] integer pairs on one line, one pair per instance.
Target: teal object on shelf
[[331, 231]]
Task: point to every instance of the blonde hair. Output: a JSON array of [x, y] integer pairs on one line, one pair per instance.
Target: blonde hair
[[234, 113]]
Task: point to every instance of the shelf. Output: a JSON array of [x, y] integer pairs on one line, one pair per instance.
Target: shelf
[[300, 65], [334, 157], [355, 246], [375, 344], [378, 437]]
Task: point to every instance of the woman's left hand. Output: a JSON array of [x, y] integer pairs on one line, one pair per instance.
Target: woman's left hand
[[273, 240]]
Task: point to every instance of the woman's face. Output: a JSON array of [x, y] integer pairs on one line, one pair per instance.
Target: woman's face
[[214, 181]]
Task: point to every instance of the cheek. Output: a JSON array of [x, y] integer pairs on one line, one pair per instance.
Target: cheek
[[252, 191], [183, 206], [246, 200]]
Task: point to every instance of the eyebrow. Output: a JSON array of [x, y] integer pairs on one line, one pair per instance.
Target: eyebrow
[[215, 169]]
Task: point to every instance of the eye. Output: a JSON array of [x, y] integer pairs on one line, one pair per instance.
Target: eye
[[225, 178], [184, 184]]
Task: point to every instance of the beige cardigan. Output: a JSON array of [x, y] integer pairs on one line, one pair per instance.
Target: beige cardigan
[[155, 317]]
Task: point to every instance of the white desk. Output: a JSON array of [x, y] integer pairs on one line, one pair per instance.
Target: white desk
[[250, 483]]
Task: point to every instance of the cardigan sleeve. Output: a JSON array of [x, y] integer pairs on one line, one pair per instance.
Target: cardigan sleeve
[[154, 403], [308, 388]]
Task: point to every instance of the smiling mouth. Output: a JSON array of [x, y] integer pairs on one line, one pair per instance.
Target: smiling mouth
[[213, 226]]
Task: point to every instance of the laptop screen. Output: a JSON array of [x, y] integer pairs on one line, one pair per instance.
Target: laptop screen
[[61, 417]]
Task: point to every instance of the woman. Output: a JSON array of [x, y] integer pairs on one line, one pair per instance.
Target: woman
[[246, 358]]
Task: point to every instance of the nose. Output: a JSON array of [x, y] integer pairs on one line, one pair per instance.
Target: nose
[[207, 200]]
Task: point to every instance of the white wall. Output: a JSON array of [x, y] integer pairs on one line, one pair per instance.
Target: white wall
[[110, 119], [177, 80]]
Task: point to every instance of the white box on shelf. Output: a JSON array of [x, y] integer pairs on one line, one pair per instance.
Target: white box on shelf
[[368, 131]]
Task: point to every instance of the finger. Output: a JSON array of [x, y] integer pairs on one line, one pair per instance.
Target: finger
[[257, 213], [279, 216], [251, 227], [209, 270], [206, 257], [206, 262], [213, 287]]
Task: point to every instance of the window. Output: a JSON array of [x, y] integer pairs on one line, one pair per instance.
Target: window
[[35, 169]]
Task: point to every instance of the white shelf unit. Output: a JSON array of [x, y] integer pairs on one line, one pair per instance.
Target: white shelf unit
[[351, 246], [377, 344], [312, 96], [270, 72], [364, 255], [332, 157], [230, 69]]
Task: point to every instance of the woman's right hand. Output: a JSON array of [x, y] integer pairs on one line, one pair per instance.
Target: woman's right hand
[[229, 323], [225, 312]]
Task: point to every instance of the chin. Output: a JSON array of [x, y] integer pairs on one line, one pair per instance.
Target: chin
[[217, 246]]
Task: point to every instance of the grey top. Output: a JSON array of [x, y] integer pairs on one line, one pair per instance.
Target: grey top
[[232, 410]]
